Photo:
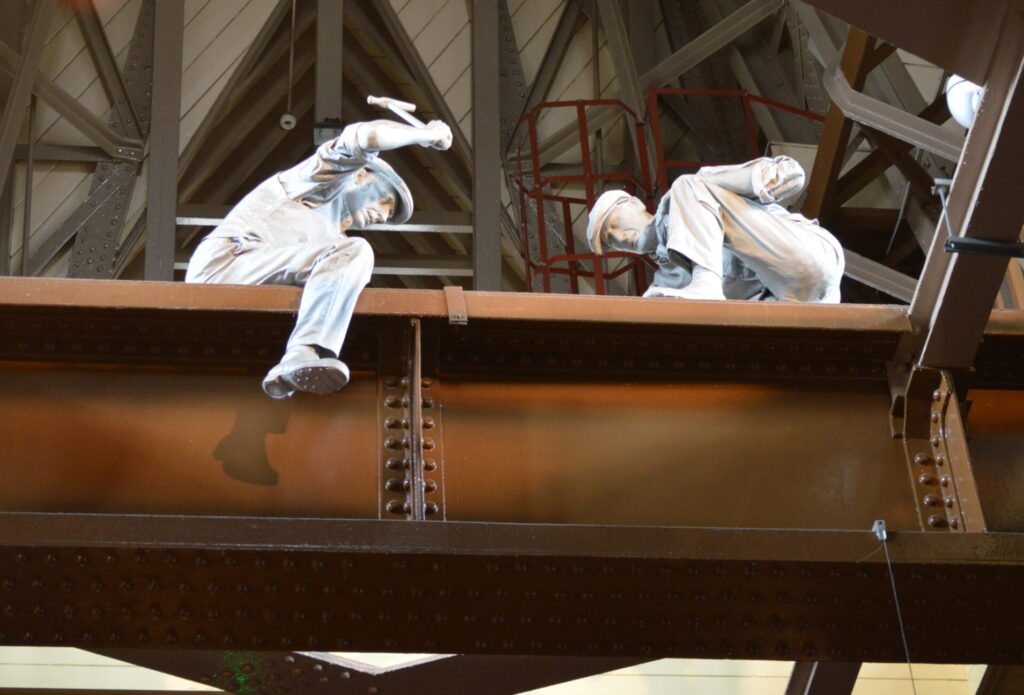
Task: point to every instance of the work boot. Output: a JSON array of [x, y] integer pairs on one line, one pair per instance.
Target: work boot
[[302, 369]]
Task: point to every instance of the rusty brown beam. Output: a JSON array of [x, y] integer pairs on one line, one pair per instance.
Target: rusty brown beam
[[915, 173], [836, 133], [953, 35], [507, 589], [40, 293]]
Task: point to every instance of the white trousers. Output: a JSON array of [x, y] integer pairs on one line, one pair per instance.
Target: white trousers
[[796, 259], [332, 274]]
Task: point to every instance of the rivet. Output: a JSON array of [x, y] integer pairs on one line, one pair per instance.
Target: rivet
[[937, 395], [936, 521], [939, 459]]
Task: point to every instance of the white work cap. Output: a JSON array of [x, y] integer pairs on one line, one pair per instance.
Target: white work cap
[[403, 196], [599, 213]]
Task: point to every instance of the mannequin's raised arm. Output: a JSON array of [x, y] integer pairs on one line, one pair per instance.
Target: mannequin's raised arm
[[382, 135]]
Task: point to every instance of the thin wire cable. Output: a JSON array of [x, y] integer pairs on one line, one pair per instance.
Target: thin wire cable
[[899, 615], [291, 61]]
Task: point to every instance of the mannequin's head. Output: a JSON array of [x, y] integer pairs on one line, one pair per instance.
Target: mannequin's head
[[370, 200], [619, 222], [376, 194]]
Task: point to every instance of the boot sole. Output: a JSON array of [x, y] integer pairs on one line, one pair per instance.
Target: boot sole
[[316, 379]]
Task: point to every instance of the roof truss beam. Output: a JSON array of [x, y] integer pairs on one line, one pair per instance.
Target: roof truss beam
[[25, 71]]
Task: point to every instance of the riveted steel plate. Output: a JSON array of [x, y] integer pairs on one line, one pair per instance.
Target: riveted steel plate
[[444, 587]]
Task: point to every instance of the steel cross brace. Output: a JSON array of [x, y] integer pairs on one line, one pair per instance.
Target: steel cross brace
[[96, 224]]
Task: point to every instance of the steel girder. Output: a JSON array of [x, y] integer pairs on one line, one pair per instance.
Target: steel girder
[[487, 141], [954, 35], [382, 519], [168, 24], [24, 76], [450, 587], [955, 294]]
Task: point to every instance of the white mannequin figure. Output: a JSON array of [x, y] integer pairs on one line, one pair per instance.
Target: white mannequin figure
[[290, 230], [721, 234]]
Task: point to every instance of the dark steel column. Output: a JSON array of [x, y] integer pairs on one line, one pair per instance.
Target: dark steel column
[[486, 148], [163, 140], [829, 159], [327, 107], [24, 77]]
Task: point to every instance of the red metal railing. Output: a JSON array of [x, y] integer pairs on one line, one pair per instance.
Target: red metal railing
[[663, 165], [536, 186]]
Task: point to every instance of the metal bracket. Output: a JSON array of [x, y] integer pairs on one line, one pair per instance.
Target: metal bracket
[[455, 301], [407, 454], [878, 528], [938, 460]]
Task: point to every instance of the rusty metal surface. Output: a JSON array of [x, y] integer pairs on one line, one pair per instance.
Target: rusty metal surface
[[171, 442], [996, 429], [192, 326], [41, 293], [673, 454], [167, 582], [938, 459], [167, 442], [411, 445], [953, 35]]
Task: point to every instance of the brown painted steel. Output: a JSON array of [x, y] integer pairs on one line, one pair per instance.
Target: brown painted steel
[[144, 398], [952, 34], [166, 442], [941, 475], [176, 297], [996, 438], [734, 455], [407, 586], [828, 162]]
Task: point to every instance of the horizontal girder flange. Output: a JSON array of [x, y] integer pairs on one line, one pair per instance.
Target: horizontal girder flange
[[107, 582]]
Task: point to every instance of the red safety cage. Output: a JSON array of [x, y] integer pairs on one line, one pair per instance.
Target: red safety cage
[[533, 185], [536, 190]]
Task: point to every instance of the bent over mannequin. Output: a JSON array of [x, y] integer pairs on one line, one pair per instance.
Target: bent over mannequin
[[290, 230], [721, 234]]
